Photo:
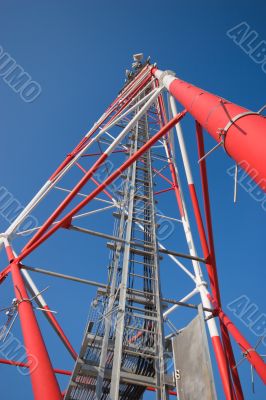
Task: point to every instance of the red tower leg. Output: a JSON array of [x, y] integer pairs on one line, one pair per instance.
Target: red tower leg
[[44, 382]]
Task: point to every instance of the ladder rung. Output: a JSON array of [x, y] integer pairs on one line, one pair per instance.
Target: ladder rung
[[141, 309], [142, 252], [141, 300], [140, 354], [146, 317], [142, 181], [135, 328], [112, 246], [143, 221], [142, 169], [142, 263], [142, 276], [142, 198]]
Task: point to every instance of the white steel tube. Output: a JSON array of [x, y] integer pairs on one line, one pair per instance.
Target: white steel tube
[[201, 284], [184, 299]]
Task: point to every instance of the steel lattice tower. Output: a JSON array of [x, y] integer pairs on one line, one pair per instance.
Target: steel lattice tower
[[127, 343], [125, 348]]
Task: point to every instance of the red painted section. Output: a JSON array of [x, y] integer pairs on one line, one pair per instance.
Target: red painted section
[[164, 190], [157, 172], [218, 348], [44, 383], [171, 165], [238, 393], [9, 253], [200, 225], [94, 180], [66, 201], [221, 362], [252, 356], [50, 316], [4, 273], [207, 208], [170, 392], [245, 139]]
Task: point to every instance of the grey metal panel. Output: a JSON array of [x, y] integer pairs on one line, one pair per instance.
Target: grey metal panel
[[192, 362]]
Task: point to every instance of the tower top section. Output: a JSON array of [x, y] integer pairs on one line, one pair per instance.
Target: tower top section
[[136, 67]]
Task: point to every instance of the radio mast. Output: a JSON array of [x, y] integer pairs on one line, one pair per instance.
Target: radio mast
[[133, 155]]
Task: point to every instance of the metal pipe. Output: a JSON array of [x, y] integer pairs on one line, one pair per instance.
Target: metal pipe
[[44, 382], [27, 365], [68, 277], [243, 131], [117, 239], [178, 303], [48, 313]]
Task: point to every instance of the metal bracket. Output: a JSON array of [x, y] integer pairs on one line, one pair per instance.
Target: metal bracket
[[235, 182], [211, 151], [167, 72], [245, 353], [223, 131], [236, 118], [262, 109]]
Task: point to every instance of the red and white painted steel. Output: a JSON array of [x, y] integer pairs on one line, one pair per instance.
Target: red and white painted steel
[[243, 135], [242, 130]]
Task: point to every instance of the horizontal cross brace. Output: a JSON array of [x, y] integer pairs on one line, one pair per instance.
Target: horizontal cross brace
[[111, 237]]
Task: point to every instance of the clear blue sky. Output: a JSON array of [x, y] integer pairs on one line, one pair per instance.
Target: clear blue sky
[[78, 51]]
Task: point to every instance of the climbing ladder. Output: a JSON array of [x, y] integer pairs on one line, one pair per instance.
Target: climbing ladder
[[123, 347]]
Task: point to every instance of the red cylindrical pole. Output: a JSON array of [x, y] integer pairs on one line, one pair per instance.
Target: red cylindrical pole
[[207, 208], [44, 382], [244, 132]]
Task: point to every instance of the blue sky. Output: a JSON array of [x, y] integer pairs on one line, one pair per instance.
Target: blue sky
[[78, 52]]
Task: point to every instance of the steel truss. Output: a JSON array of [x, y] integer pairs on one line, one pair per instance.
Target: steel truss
[[125, 349]]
